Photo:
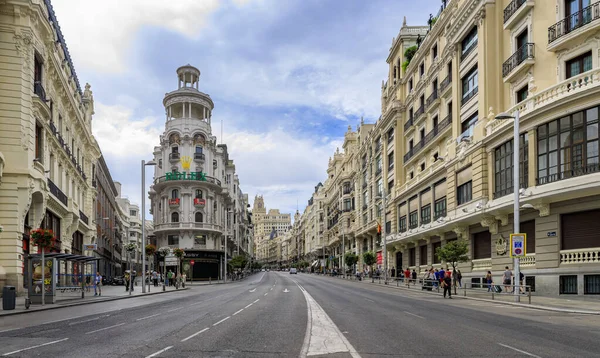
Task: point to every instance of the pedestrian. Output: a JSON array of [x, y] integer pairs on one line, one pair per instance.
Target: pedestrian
[[521, 278], [459, 278], [155, 278], [98, 285], [489, 280], [127, 277], [407, 277], [414, 276], [506, 279], [393, 272], [183, 279], [447, 285]]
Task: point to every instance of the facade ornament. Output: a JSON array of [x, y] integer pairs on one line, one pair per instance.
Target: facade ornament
[[404, 22], [491, 223], [23, 44], [544, 209], [480, 16], [503, 219], [532, 87], [501, 246], [491, 114], [460, 231]]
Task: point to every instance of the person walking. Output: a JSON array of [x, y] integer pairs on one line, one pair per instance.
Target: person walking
[[447, 285], [407, 277], [506, 279], [459, 278], [488, 280], [98, 285]]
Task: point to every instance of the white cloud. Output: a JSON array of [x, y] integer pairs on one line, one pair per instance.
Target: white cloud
[[98, 33]]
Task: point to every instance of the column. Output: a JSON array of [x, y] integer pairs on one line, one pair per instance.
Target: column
[[183, 109], [190, 109], [532, 157], [203, 113]]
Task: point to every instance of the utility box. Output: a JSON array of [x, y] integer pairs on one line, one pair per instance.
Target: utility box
[[9, 298]]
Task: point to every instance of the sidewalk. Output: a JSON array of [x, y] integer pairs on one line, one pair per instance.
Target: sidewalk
[[572, 304]]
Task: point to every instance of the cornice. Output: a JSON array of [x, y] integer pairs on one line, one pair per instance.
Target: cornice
[[470, 9]]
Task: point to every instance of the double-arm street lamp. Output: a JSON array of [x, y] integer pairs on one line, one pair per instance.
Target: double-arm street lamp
[[144, 164], [516, 186], [383, 235]]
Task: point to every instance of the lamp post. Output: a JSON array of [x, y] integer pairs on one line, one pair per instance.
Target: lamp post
[[516, 186], [383, 237], [152, 162]]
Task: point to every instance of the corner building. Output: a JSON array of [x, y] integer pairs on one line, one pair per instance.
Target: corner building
[[195, 198]]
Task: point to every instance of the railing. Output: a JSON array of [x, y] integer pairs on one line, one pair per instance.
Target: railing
[[346, 190], [199, 202], [57, 192], [53, 128], [512, 7], [468, 50], [419, 112], [378, 172], [39, 90], [413, 224], [188, 225], [528, 260], [198, 156], [193, 176], [525, 52], [446, 82], [174, 156], [439, 214], [428, 138], [174, 202], [482, 264], [576, 172], [509, 190], [432, 97], [83, 217], [573, 22], [377, 147], [580, 256], [469, 95], [409, 154], [408, 124]]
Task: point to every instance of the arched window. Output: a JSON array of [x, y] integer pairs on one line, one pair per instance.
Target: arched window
[[198, 149], [198, 194], [199, 217], [175, 217], [174, 194], [175, 149]]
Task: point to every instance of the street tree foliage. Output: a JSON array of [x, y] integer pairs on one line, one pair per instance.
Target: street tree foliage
[[238, 262], [453, 252], [351, 259], [370, 258]]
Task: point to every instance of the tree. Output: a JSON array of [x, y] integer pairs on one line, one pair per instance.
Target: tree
[[409, 53], [238, 262], [453, 253], [370, 259], [350, 259]]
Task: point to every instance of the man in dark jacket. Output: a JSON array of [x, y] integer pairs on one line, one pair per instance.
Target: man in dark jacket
[[447, 283]]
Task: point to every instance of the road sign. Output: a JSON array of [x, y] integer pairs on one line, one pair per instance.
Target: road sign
[[192, 262], [89, 247], [518, 245]]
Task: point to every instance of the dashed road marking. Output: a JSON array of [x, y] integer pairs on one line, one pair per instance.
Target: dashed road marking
[[223, 320], [39, 345], [159, 352], [520, 351], [195, 334], [414, 315], [143, 318], [105, 328], [238, 312]]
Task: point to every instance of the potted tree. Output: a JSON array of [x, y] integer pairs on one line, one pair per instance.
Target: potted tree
[[43, 239], [453, 253]]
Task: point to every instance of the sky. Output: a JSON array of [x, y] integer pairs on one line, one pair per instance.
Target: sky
[[287, 78]]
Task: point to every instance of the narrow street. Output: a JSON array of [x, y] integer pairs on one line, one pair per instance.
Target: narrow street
[[266, 315]]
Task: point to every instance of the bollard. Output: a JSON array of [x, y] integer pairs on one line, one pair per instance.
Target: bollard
[[209, 281]]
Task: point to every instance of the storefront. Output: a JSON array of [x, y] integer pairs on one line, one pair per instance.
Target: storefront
[[207, 265]]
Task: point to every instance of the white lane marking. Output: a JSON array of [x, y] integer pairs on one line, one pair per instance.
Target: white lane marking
[[286, 290], [64, 319], [368, 299], [322, 335], [175, 309], [261, 277], [252, 290], [195, 334], [266, 293], [10, 329], [414, 315], [238, 311], [256, 300], [39, 345], [271, 288], [87, 320], [518, 350], [143, 318], [223, 320], [159, 352], [105, 328], [249, 305]]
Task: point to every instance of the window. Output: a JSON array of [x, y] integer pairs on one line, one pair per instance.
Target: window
[[132, 213], [574, 14], [434, 52], [579, 64], [390, 161], [568, 147], [379, 164], [469, 85], [503, 166], [198, 217], [410, 85], [39, 145], [175, 149], [468, 43], [422, 102], [175, 217], [434, 122], [198, 194], [411, 115], [37, 71], [173, 240], [410, 145], [522, 94], [390, 185], [174, 194], [413, 219], [467, 126], [422, 69], [464, 192], [198, 149], [422, 167], [426, 214], [422, 134], [411, 175], [380, 187], [440, 208], [402, 224]]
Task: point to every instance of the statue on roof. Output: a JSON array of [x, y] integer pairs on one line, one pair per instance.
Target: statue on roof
[[404, 22], [419, 40]]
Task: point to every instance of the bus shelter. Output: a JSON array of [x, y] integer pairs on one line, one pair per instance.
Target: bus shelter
[[65, 276]]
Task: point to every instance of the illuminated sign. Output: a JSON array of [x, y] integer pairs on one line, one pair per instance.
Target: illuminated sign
[[518, 245], [199, 176]]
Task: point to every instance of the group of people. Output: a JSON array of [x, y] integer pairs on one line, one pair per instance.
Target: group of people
[[507, 281]]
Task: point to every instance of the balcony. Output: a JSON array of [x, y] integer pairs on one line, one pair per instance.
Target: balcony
[[579, 170], [54, 190], [564, 33], [174, 157], [183, 176], [199, 157], [433, 98], [468, 96], [419, 112], [515, 11], [445, 123], [408, 124], [174, 202], [187, 225], [199, 203], [39, 90], [446, 83], [580, 256], [347, 190], [364, 185], [378, 172], [83, 217], [519, 62]]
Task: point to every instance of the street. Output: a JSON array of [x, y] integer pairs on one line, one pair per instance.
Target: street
[[275, 314]]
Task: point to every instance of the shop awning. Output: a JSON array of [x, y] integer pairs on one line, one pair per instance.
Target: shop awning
[[65, 257]]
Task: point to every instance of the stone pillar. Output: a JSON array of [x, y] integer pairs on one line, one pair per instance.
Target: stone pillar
[[532, 153]]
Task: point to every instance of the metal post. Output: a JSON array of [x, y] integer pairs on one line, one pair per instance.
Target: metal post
[[343, 252], [143, 227], [384, 240], [516, 188], [164, 273], [43, 278]]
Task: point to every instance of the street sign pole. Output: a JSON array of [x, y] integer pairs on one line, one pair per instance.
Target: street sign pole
[[192, 273]]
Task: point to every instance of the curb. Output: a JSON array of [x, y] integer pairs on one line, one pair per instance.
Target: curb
[[87, 302], [531, 306]]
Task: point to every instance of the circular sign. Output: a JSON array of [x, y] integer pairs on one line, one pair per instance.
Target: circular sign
[[192, 262], [518, 251]]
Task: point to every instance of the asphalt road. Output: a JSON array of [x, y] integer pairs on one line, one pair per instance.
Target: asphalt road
[[276, 314]]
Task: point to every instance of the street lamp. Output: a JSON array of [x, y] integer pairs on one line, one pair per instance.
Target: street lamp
[[383, 236], [516, 186], [151, 162]]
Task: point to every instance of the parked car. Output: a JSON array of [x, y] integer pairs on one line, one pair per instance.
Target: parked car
[[293, 271], [118, 281]]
